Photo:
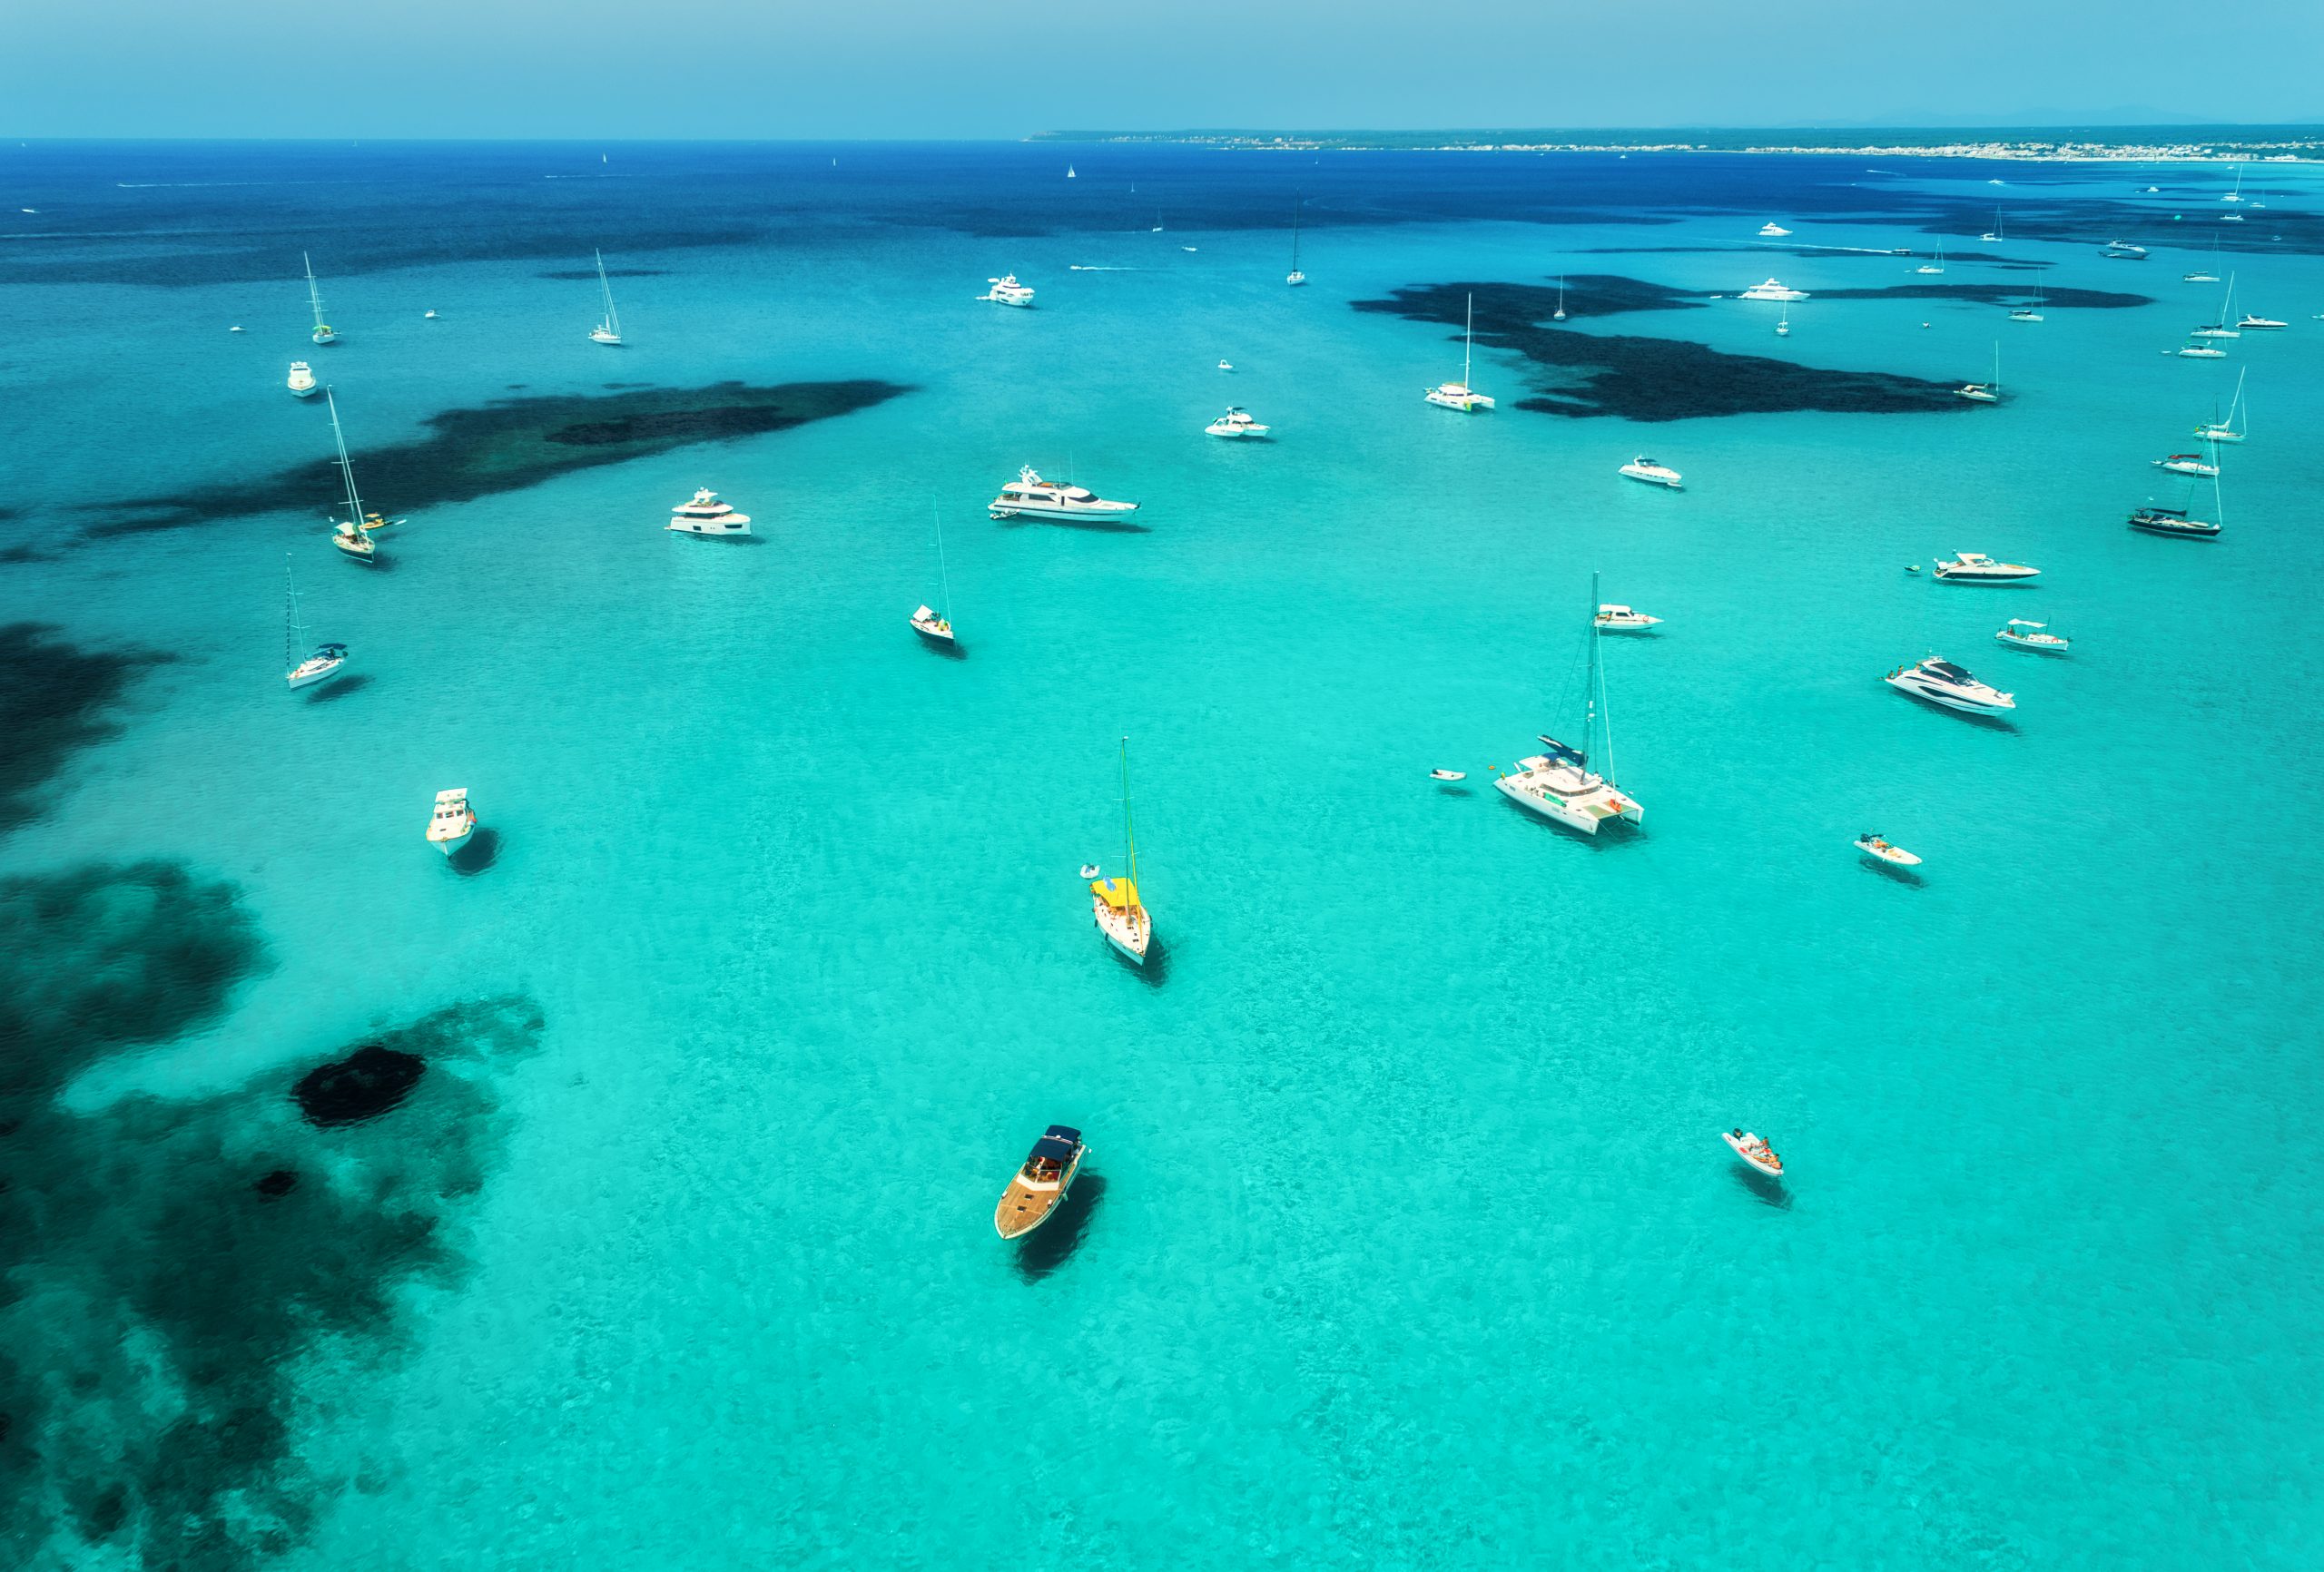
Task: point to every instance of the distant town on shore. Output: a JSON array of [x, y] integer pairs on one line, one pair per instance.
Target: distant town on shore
[[2133, 143]]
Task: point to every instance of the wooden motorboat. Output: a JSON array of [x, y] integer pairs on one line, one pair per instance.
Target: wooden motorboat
[[1039, 1187]]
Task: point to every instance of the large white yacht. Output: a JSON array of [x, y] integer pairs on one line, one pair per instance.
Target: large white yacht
[[1559, 784], [1942, 683], [1459, 395], [1030, 496], [1236, 422], [1772, 230], [1006, 292], [2254, 324], [1646, 469], [1772, 290], [706, 515], [302, 383], [1976, 568]]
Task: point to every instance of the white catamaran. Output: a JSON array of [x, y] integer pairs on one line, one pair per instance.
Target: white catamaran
[[1559, 785], [609, 330], [1459, 395]]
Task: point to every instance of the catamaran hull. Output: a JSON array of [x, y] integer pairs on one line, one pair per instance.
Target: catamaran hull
[[1560, 812]]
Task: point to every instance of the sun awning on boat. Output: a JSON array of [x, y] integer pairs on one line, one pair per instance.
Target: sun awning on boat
[[1050, 1148], [1118, 893]]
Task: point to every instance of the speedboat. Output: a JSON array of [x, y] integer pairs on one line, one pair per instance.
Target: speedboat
[[2172, 521], [1559, 785], [1039, 1187], [1646, 469], [302, 383], [319, 667], [1874, 844], [1942, 682], [2257, 324], [453, 822], [2024, 636], [2123, 250], [1448, 774], [1754, 1151], [428, 316], [1006, 292], [2188, 464], [1614, 619], [1236, 422], [929, 625], [1772, 290], [2198, 277], [1772, 230], [2196, 349], [1976, 568], [1030, 496], [706, 515]]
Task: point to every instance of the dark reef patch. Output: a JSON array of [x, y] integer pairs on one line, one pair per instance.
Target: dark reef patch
[[161, 1300], [24, 553], [56, 698], [512, 443], [363, 1085], [1643, 378]]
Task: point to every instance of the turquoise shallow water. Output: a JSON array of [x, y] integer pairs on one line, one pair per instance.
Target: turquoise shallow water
[[1407, 1240]]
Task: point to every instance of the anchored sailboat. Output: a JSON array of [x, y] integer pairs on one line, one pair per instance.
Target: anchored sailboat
[[1115, 903], [320, 664], [1459, 395], [925, 621], [609, 330], [1559, 785], [353, 534], [1295, 278], [1560, 316], [323, 333], [2227, 430], [1985, 392]]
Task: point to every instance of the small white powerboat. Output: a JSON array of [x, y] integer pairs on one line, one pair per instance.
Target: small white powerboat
[[1614, 619], [1754, 1151], [1879, 847], [2250, 323], [302, 383], [1236, 422], [1772, 230], [1976, 568], [1448, 774], [428, 316], [2024, 636], [1227, 364], [1652, 474]]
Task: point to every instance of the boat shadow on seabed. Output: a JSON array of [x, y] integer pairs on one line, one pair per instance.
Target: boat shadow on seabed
[[332, 691], [1052, 1244], [481, 852], [1765, 1188]]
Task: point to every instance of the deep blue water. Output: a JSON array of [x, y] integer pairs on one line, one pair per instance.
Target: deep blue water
[[1407, 1240]]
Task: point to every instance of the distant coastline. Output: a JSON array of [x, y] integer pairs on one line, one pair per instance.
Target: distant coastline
[[2083, 144]]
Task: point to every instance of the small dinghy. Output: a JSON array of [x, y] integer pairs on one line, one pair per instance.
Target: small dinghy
[[1227, 364], [1089, 871], [1448, 774], [1912, 567], [1755, 1152], [1881, 848], [1040, 1186]]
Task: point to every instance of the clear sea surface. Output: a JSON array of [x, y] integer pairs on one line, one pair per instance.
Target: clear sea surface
[[1407, 1239]]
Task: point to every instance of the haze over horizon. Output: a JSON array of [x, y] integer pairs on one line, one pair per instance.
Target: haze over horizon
[[913, 69]]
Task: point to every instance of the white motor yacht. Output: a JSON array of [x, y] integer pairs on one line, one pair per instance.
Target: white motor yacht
[[449, 826], [706, 515], [1652, 474], [1459, 395], [1006, 292], [1772, 230], [2196, 349], [1976, 568], [2188, 464], [1559, 784], [1942, 683], [1030, 496], [1236, 422], [2024, 635], [302, 383], [1621, 619], [1772, 290], [2254, 324], [1880, 849], [2124, 251]]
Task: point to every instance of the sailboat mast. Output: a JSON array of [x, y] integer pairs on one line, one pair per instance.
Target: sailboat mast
[[290, 615], [1295, 232], [613, 322], [1468, 339], [314, 297], [346, 465], [944, 576], [1130, 828]]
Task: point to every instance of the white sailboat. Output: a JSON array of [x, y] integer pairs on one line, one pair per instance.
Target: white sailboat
[[1985, 392], [1936, 266], [2227, 430], [1069, 174], [323, 333], [1459, 395], [1294, 277], [609, 330], [320, 664], [1559, 785], [353, 534], [1783, 321], [2222, 329], [2237, 194], [1560, 315], [2031, 313], [1120, 914], [937, 628]]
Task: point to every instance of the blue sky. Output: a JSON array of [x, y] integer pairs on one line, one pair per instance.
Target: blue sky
[[1002, 68]]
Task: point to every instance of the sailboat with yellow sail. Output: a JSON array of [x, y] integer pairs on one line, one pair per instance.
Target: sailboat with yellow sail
[[1121, 917]]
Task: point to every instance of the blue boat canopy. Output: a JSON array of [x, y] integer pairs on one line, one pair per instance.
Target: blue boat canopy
[[1061, 1133], [1050, 1149]]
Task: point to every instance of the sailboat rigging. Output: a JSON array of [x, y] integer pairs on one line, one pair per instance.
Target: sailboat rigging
[[324, 333], [1295, 278], [927, 621], [1559, 784], [320, 664], [1115, 903], [352, 535], [609, 330], [1459, 395]]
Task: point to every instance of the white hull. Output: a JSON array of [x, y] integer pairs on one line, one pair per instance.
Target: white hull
[[454, 843], [1465, 402], [599, 336], [1667, 480], [2046, 647], [729, 526], [1052, 510], [324, 336], [1985, 579], [1949, 701], [1130, 939], [1889, 857], [1573, 814], [1752, 1158], [303, 678]]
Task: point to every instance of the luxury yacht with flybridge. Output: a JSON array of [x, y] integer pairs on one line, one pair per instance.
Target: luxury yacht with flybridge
[[1652, 474], [1942, 682], [1772, 290], [706, 515], [1030, 496], [1976, 568], [1006, 292]]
